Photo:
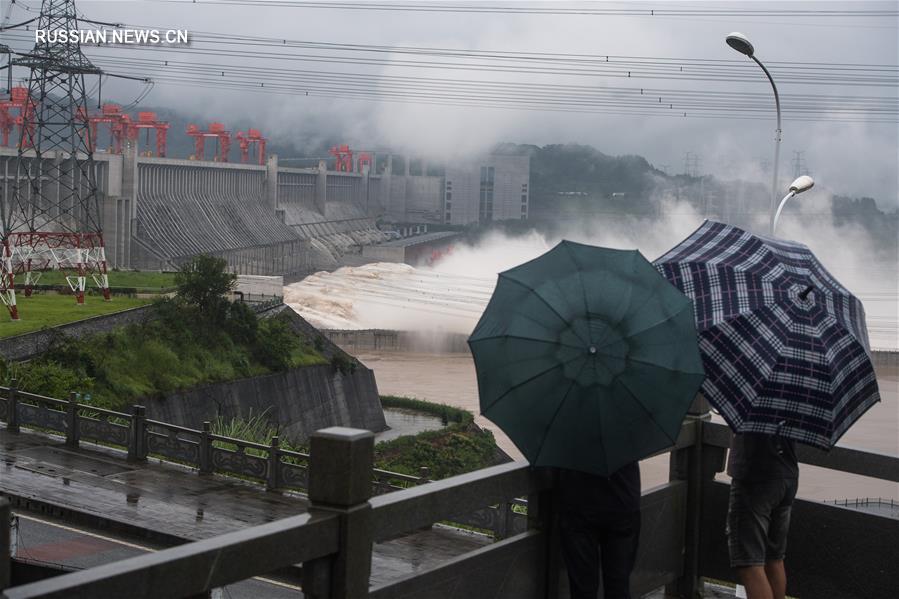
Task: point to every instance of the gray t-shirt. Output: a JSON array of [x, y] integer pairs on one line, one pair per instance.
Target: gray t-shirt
[[756, 457]]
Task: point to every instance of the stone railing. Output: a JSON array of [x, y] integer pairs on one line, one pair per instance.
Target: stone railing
[[834, 551], [272, 465]]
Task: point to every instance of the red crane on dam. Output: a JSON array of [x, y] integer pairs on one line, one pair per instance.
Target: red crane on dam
[[365, 159], [343, 158], [245, 140], [217, 132], [344, 162], [21, 102], [146, 121], [112, 115]]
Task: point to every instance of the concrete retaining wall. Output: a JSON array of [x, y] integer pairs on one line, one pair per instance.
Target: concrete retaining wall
[[28, 345], [301, 401]]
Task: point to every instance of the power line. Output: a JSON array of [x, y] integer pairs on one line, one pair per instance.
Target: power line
[[507, 91], [470, 102], [535, 10], [828, 74]]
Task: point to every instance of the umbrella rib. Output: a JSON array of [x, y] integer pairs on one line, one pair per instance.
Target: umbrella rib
[[580, 278], [542, 299], [648, 413], [556, 414], [547, 341], [655, 324], [526, 381]]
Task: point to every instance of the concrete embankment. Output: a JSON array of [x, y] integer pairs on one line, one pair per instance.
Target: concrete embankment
[[301, 400], [28, 345]]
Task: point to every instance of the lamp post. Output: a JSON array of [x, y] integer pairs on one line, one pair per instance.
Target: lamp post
[[741, 44], [801, 184]]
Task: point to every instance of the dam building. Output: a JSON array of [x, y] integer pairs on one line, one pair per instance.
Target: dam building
[[158, 212]]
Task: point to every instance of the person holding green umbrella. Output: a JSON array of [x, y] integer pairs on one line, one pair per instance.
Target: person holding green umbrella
[[587, 359]]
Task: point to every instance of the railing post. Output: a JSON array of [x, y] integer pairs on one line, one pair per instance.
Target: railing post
[[73, 430], [499, 526], [273, 480], [12, 408], [5, 554], [696, 466], [340, 482], [205, 453], [137, 440]]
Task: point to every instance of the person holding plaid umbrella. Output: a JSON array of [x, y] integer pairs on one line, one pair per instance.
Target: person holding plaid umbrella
[[786, 353]]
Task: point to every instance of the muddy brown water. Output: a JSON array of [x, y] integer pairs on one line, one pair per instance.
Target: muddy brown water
[[450, 379]]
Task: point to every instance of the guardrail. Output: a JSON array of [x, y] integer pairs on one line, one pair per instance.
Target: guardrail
[[275, 467], [682, 537]]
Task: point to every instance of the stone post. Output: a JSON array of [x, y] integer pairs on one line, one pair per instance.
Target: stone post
[[12, 408], [205, 449], [73, 432], [273, 478], [340, 482], [137, 440]]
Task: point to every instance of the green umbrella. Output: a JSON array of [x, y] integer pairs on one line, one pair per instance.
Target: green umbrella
[[587, 358]]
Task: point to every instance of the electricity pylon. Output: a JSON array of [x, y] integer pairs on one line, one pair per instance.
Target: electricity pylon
[[51, 214]]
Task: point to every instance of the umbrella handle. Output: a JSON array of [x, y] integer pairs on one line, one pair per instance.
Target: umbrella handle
[[805, 293]]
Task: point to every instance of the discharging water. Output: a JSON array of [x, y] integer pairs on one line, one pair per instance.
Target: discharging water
[[398, 296]]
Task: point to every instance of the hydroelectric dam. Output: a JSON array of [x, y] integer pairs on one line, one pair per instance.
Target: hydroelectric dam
[[156, 213]]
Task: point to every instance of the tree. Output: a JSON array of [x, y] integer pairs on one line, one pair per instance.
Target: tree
[[203, 282]]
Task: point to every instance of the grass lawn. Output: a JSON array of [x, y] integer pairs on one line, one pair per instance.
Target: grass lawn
[[45, 310], [118, 278]]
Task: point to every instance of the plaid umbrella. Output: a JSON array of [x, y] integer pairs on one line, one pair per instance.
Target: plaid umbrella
[[587, 358], [784, 345]]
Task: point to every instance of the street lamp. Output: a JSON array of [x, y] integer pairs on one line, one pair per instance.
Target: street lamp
[[801, 184], [741, 44]]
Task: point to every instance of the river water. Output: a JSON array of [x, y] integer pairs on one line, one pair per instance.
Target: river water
[[450, 379]]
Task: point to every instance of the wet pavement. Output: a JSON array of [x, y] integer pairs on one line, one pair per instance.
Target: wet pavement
[[170, 504], [164, 504], [46, 542]]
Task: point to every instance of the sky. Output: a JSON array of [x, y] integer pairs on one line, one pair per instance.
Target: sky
[[852, 158]]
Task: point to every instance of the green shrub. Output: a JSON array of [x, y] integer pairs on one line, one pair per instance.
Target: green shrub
[[203, 282], [454, 450], [275, 343], [52, 379], [459, 448]]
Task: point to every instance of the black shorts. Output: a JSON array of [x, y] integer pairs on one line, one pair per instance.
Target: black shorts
[[758, 519]]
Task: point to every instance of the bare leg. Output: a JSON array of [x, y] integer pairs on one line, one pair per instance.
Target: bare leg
[[756, 582], [777, 578]]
